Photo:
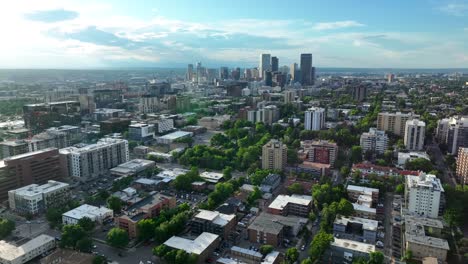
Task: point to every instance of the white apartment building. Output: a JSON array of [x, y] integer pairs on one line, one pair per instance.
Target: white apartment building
[[90, 161], [34, 199], [394, 122], [267, 115], [164, 125], [375, 141], [422, 194], [453, 131], [314, 118], [97, 214], [414, 134], [12, 254]]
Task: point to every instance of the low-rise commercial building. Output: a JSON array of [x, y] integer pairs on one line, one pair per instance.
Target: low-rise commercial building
[[11, 254], [172, 137], [212, 177], [97, 214], [345, 250], [132, 167], [34, 198], [298, 205], [404, 157], [356, 229], [141, 132], [203, 246]]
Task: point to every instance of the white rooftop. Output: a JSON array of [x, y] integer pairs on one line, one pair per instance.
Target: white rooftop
[[102, 143], [424, 181], [196, 246], [213, 177], [367, 224], [35, 189], [246, 251], [282, 200], [172, 173], [361, 189], [215, 217], [10, 252], [87, 210], [364, 208], [353, 245], [271, 257], [176, 135]]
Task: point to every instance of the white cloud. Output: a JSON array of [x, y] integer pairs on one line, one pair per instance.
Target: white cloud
[[337, 25], [455, 9]]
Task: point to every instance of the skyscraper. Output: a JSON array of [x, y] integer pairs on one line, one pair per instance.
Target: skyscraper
[[189, 75], [265, 64], [294, 72], [274, 155], [306, 69], [274, 64], [223, 73]]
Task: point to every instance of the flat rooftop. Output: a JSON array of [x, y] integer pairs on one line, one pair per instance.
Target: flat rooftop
[[34, 189], [10, 252], [415, 232], [196, 246], [361, 189], [102, 143], [367, 224], [148, 202], [364, 208], [353, 245], [213, 177], [87, 210], [273, 224], [282, 201], [29, 154], [425, 181], [246, 251], [215, 217], [176, 135]]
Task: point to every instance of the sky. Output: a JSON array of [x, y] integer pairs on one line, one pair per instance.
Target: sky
[[173, 33]]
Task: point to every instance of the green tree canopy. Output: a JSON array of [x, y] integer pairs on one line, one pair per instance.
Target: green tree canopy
[[319, 244], [291, 255], [296, 188], [6, 227], [419, 164], [266, 249], [146, 229], [71, 234], [87, 224], [114, 203], [117, 237]]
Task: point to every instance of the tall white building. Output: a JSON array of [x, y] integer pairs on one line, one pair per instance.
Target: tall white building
[[265, 64], [453, 131], [268, 115], [90, 161], [274, 155], [422, 194], [375, 141], [414, 134], [314, 118], [34, 199]]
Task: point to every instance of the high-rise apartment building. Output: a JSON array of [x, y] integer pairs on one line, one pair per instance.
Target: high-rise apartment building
[[453, 132], [29, 168], [274, 64], [265, 64], [314, 118], [462, 166], [306, 69], [423, 194], [414, 134], [289, 96], [90, 161], [359, 93], [320, 151], [267, 115], [375, 141], [274, 155], [13, 148], [394, 122], [55, 137], [295, 73]]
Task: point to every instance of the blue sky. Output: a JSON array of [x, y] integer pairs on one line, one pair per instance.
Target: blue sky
[[346, 33]]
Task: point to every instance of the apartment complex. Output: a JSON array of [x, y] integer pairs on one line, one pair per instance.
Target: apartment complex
[[148, 207], [462, 166], [423, 238], [314, 119], [213, 222], [272, 229], [356, 229], [453, 132], [394, 122], [414, 134], [36, 167], [13, 148], [375, 141], [320, 151], [34, 198], [267, 115], [355, 192], [345, 250], [90, 161], [55, 137], [423, 194], [364, 200], [274, 155], [298, 205], [12, 254]]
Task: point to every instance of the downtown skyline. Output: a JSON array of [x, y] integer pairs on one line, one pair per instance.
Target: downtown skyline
[[85, 34]]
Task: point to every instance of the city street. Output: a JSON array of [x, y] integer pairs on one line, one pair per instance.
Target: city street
[[448, 176]]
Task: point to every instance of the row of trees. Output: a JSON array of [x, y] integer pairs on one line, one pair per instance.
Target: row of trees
[[6, 227], [78, 236], [174, 256]]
